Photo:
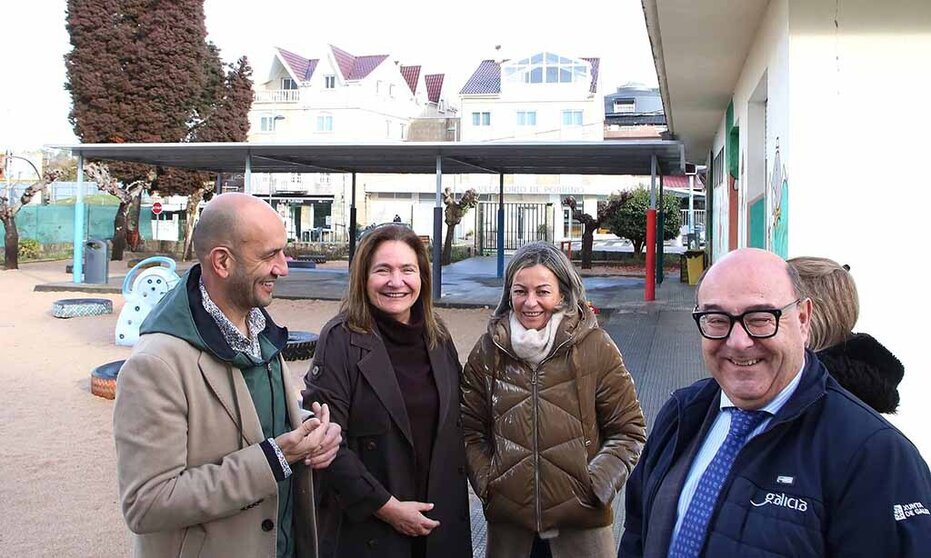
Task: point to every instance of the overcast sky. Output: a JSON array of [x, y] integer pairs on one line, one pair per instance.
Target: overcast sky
[[449, 38]]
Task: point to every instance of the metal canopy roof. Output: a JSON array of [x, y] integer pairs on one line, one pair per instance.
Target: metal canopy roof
[[606, 158]]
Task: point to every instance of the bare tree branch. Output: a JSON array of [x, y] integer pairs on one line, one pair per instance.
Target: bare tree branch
[[100, 174]]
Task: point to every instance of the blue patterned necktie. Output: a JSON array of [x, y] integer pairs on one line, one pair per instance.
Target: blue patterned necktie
[[691, 537]]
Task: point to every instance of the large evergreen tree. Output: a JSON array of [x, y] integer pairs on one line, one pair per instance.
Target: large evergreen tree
[[222, 115], [142, 71]]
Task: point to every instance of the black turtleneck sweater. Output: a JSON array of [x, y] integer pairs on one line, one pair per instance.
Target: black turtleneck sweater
[[407, 350]]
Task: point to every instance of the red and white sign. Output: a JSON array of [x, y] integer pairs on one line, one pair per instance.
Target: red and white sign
[[156, 208]]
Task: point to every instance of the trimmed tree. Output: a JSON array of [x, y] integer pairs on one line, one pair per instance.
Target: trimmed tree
[[128, 194], [455, 210], [135, 74], [9, 208], [591, 224], [630, 221], [222, 115]]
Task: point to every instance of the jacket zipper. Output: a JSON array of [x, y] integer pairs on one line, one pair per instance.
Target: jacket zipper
[[535, 375], [536, 451]]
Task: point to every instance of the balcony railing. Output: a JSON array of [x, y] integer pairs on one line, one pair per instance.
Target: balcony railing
[[278, 96], [699, 218]]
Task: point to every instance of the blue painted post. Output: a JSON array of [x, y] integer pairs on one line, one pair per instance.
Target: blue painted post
[[500, 226], [247, 176], [438, 233], [352, 221], [77, 268]]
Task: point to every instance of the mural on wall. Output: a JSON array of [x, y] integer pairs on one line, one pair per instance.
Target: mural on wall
[[778, 233]]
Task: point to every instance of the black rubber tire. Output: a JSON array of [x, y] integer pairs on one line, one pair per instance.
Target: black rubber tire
[[77, 307], [103, 379], [301, 345], [316, 258]]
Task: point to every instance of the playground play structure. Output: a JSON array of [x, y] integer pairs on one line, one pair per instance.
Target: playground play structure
[[144, 287]]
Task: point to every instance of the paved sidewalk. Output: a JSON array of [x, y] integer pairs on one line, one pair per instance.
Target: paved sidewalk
[[470, 283]]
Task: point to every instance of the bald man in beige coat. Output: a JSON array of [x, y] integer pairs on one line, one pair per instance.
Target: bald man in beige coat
[[212, 456]]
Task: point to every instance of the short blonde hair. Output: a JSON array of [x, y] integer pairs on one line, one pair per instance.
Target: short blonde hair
[[834, 297]]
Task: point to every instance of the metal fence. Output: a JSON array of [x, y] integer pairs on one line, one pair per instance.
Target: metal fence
[[523, 223], [53, 224]]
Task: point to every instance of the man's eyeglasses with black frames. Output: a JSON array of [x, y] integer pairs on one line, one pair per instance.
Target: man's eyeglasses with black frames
[[759, 324]]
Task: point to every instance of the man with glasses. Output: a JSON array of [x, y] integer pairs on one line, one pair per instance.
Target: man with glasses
[[770, 456]]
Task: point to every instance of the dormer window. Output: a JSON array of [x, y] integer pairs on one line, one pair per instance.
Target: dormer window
[[329, 82], [546, 67], [288, 83]]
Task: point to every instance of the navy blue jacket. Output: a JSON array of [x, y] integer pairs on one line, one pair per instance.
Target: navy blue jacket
[[827, 477]]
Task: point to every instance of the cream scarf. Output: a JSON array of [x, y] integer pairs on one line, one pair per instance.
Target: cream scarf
[[533, 345]]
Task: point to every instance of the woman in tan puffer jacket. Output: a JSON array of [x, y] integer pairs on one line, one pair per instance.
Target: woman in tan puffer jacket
[[551, 418]]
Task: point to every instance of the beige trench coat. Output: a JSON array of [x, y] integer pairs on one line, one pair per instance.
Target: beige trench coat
[[193, 480]]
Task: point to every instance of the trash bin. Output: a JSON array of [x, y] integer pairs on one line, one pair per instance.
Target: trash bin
[[96, 261], [695, 261]]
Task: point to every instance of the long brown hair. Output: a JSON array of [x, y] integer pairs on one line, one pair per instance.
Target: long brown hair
[[356, 306]]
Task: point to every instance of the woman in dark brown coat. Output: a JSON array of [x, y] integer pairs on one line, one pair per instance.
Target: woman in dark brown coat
[[552, 422], [388, 370]]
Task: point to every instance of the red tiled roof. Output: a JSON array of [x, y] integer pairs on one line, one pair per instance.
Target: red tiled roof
[[487, 78], [411, 74], [301, 68], [344, 60], [356, 67], [365, 64], [434, 86], [679, 181], [596, 64]]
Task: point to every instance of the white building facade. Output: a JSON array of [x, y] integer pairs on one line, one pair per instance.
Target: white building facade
[[543, 96], [339, 97], [788, 103]]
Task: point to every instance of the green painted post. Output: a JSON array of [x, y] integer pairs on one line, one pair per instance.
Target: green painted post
[[660, 229]]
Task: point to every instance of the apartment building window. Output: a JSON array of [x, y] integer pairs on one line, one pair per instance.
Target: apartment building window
[[325, 123], [403, 131], [329, 81], [391, 90], [267, 122], [624, 105], [527, 118], [481, 119], [324, 178], [297, 178], [288, 83], [571, 118], [546, 67], [388, 129]]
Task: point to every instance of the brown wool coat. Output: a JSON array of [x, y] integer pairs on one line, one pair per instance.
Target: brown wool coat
[[551, 447], [190, 485]]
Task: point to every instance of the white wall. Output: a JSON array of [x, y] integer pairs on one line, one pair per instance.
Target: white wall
[[860, 120], [767, 62], [849, 107]]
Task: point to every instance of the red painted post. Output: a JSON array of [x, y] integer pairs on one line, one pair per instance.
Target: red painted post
[[649, 292]]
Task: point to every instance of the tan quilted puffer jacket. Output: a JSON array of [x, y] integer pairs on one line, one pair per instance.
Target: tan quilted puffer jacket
[[550, 447]]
